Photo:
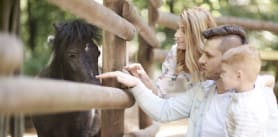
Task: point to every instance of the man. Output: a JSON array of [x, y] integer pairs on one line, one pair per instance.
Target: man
[[205, 103]]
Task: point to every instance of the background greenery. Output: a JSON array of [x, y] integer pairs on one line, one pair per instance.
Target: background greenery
[[37, 18]]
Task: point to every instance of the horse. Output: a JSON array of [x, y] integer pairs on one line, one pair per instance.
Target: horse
[[75, 58]]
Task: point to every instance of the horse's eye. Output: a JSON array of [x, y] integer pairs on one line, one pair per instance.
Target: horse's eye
[[72, 55]]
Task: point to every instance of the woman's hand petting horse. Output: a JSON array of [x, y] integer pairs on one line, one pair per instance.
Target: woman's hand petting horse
[[122, 77]]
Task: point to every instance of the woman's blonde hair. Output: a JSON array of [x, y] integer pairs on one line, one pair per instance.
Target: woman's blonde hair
[[195, 20]]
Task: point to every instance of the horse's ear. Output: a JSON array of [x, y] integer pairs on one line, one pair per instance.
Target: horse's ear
[[57, 26]]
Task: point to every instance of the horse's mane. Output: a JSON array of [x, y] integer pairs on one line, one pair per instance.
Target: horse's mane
[[75, 31]]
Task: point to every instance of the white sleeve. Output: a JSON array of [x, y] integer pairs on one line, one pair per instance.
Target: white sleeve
[[161, 109], [272, 125], [167, 81], [265, 80]]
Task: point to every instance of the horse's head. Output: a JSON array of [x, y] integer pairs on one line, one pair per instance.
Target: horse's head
[[75, 52]]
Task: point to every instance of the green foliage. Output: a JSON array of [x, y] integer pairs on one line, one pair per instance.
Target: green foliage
[[45, 15], [249, 9], [140, 4], [169, 37], [36, 60]]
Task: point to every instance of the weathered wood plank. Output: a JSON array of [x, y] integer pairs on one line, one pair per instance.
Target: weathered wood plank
[[29, 95], [114, 58], [170, 20], [98, 15]]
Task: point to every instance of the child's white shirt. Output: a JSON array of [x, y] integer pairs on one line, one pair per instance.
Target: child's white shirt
[[247, 114]]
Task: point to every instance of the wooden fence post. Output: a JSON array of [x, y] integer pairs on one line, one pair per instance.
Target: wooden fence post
[[4, 125], [145, 57], [114, 58], [11, 58]]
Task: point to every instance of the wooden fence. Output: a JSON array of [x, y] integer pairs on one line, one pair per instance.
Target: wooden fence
[[120, 21]]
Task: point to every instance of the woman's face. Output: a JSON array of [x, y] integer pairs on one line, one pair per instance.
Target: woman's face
[[179, 36]]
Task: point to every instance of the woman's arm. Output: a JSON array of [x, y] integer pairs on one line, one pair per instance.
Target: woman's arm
[[166, 82], [138, 71]]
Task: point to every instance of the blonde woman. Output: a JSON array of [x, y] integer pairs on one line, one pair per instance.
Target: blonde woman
[[180, 70], [204, 106]]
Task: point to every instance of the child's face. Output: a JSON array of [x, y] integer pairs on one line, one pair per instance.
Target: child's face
[[229, 77]]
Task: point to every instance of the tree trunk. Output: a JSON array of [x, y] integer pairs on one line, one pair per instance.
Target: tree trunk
[[171, 5], [32, 27]]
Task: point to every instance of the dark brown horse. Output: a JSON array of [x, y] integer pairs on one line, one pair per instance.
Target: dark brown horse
[[75, 58]]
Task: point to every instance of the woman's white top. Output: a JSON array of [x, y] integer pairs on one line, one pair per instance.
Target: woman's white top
[[169, 81]]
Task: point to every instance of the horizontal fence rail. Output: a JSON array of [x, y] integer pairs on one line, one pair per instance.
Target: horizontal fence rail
[[130, 13], [160, 55], [98, 15], [36, 96], [170, 20]]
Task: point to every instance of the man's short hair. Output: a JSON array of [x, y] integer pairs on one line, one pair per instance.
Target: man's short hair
[[225, 30]]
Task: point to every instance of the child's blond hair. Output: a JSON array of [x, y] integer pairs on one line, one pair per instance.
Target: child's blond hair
[[244, 58]]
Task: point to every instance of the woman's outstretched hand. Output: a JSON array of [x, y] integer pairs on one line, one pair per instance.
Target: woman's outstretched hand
[[138, 71], [123, 78]]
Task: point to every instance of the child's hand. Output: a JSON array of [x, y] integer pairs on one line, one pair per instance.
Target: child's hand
[[123, 78]]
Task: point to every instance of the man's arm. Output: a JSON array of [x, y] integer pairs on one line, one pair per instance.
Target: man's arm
[[159, 109], [164, 109]]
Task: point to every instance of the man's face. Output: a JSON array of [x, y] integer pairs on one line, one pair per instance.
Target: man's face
[[229, 77], [210, 60]]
